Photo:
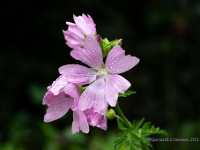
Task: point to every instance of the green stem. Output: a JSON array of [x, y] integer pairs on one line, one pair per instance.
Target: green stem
[[122, 116]]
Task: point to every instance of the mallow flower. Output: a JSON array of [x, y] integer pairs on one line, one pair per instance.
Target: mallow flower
[[84, 26], [102, 80], [62, 96]]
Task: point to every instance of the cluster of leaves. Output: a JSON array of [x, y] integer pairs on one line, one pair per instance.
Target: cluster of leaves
[[136, 137]]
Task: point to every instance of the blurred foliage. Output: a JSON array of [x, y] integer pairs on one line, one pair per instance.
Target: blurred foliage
[[165, 36]]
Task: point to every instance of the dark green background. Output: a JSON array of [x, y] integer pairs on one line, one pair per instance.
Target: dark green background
[[164, 35]]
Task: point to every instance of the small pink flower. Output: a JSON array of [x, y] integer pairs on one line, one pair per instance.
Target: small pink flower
[[84, 26], [106, 84], [61, 97]]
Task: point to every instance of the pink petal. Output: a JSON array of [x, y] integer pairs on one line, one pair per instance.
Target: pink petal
[[117, 62], [73, 41], [79, 122], [90, 54], [111, 94], [73, 36], [73, 91], [115, 84], [95, 119], [77, 74], [58, 84], [85, 24], [93, 96], [74, 31], [58, 106]]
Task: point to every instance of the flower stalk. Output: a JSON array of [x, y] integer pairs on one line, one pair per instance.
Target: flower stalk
[[122, 116]]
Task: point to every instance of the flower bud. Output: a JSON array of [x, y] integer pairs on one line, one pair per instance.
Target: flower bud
[[110, 114]]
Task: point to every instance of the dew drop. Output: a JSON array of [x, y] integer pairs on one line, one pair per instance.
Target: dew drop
[[115, 60]]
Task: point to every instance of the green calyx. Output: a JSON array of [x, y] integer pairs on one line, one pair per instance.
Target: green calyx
[[107, 45]]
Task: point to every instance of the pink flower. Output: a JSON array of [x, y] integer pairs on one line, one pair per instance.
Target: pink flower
[[61, 97], [105, 83], [84, 26]]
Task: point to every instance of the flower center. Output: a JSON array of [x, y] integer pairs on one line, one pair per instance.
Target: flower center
[[101, 74]]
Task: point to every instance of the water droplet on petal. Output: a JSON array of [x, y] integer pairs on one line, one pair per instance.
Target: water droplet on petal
[[115, 60]]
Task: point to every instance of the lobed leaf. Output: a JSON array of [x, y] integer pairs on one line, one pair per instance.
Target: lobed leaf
[[127, 93]]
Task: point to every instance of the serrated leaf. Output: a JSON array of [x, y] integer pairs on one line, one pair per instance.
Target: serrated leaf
[[150, 129], [137, 124], [127, 93], [137, 136]]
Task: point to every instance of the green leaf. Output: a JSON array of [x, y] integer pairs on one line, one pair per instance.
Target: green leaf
[[127, 93], [137, 136], [136, 124], [149, 129], [120, 124]]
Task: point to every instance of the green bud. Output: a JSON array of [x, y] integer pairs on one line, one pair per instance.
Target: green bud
[[110, 114]]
